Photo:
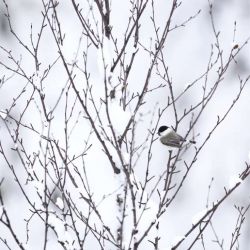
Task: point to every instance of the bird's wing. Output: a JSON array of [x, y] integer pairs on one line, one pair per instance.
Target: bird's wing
[[175, 137], [173, 140], [175, 144]]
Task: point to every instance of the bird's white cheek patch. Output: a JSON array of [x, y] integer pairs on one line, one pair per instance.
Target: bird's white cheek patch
[[167, 132]]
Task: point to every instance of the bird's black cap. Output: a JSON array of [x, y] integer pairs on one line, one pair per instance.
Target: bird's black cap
[[161, 129]]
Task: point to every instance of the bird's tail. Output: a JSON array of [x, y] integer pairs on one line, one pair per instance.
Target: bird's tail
[[192, 141]]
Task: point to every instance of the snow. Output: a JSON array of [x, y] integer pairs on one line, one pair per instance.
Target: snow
[[36, 80], [118, 116], [104, 56], [27, 246], [30, 169], [62, 233], [107, 51], [59, 203], [177, 239], [3, 114], [126, 157], [45, 124], [197, 217], [57, 224], [234, 180], [39, 186], [67, 239]]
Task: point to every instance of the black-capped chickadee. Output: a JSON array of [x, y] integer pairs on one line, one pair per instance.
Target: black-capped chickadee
[[170, 138]]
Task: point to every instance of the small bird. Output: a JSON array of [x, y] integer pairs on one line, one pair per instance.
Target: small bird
[[170, 138]]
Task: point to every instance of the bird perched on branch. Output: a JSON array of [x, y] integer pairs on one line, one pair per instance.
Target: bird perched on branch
[[170, 138]]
